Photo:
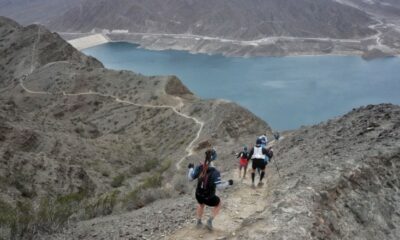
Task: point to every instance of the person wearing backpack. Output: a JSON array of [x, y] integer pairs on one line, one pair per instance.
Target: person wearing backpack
[[243, 162], [258, 156], [213, 154], [208, 180], [263, 139]]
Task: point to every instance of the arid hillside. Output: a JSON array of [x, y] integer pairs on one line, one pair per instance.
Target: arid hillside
[[92, 153], [80, 141]]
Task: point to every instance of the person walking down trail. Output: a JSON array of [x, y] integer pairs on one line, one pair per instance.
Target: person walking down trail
[[263, 139], [258, 156], [277, 136], [243, 162], [209, 179], [213, 154]]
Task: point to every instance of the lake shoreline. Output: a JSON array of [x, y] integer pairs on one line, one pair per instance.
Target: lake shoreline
[[89, 41], [286, 92]]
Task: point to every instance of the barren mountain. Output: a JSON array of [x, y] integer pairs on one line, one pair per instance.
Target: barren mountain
[[231, 27], [80, 141], [92, 153], [32, 11], [249, 20]]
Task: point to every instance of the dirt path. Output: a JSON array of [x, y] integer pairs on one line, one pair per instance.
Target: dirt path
[[239, 203], [188, 149]]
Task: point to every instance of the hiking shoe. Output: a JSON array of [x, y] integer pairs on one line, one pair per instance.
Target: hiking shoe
[[253, 186], [199, 224], [260, 184], [209, 224]]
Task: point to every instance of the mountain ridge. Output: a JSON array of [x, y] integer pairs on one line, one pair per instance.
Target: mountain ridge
[[233, 28], [80, 142]]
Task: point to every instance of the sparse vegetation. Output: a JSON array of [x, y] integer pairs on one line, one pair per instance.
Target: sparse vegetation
[[118, 180], [104, 205], [180, 184], [22, 221], [149, 190]]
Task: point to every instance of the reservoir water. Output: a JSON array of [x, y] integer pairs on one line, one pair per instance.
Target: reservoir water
[[286, 92]]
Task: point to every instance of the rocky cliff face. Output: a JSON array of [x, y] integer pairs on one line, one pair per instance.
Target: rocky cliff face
[[80, 141]]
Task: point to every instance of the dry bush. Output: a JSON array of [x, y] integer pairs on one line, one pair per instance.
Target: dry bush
[[181, 184]]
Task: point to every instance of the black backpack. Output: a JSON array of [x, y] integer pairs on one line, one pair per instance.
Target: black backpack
[[205, 185]]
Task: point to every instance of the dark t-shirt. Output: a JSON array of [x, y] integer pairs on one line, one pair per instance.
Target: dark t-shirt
[[206, 185]]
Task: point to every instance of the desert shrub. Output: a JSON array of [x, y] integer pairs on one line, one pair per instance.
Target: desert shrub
[[149, 190], [144, 166], [20, 184], [152, 181], [54, 213], [105, 173], [180, 184], [16, 222], [104, 205], [150, 195], [117, 181]]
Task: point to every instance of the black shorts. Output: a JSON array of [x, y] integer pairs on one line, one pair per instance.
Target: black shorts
[[259, 163], [212, 201]]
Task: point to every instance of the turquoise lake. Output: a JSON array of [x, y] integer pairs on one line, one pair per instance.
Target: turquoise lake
[[286, 92]]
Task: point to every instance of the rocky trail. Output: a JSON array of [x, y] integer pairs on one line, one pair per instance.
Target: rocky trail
[[238, 204], [176, 109], [189, 148]]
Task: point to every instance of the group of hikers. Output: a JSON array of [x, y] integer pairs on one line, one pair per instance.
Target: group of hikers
[[209, 178]]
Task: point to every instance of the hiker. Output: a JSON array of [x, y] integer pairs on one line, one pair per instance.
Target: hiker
[[243, 162], [209, 179], [263, 139], [213, 154], [258, 155], [276, 136]]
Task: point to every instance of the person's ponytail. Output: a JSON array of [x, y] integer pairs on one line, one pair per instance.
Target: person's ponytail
[[206, 164]]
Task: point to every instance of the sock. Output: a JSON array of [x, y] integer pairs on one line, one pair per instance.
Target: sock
[[253, 175], [262, 176]]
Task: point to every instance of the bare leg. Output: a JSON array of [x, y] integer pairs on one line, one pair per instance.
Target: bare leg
[[215, 212], [245, 171], [200, 211], [216, 209], [240, 171]]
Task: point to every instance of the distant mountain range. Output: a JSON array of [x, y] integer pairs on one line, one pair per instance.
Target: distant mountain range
[[279, 27], [236, 19]]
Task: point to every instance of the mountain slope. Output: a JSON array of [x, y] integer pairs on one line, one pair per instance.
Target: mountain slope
[[336, 180], [230, 27], [28, 11], [235, 19], [80, 141]]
